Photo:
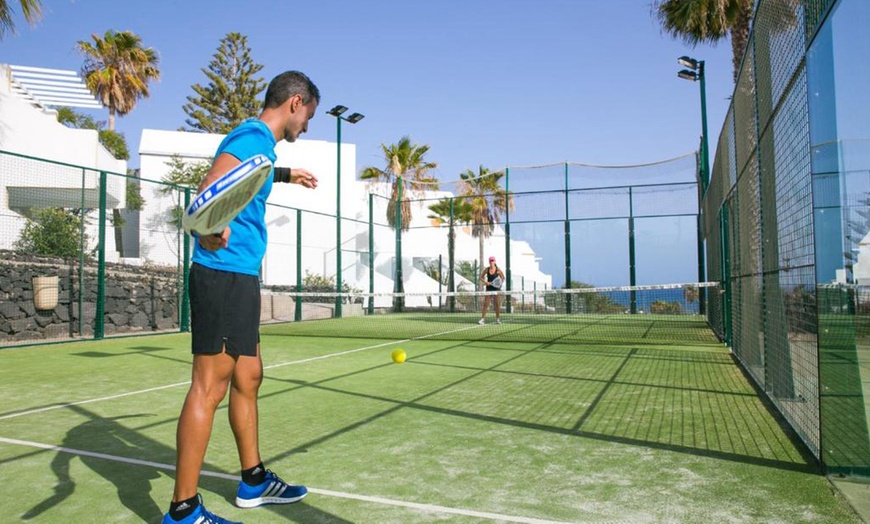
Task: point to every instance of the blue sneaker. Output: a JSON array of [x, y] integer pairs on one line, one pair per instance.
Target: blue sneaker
[[199, 516], [273, 490]]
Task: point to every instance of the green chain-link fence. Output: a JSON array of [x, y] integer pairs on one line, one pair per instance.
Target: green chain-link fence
[[783, 220]]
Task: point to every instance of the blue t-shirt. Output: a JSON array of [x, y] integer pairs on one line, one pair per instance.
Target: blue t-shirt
[[247, 244]]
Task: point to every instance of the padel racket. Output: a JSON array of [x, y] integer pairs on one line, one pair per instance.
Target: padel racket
[[496, 282], [219, 203]]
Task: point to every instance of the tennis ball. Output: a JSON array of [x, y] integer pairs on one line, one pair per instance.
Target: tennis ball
[[398, 355]]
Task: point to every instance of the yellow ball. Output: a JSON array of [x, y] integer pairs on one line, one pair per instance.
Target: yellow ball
[[398, 356]]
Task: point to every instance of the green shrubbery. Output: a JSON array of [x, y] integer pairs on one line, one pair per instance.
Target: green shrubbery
[[52, 232]]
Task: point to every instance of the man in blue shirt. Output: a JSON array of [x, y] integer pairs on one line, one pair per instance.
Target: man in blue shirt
[[225, 312]]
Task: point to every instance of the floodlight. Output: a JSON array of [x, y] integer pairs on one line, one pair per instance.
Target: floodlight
[[354, 118], [688, 75], [689, 62]]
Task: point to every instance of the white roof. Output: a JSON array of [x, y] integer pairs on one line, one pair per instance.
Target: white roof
[[51, 87]]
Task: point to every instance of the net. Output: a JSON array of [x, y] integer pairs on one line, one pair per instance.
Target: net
[[638, 315]]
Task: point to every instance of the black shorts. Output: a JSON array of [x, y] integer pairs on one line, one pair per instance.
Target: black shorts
[[224, 311]]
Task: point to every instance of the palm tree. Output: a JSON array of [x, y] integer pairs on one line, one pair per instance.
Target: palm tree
[[406, 168], [407, 171], [450, 211], [488, 201], [708, 21], [117, 70], [31, 9]]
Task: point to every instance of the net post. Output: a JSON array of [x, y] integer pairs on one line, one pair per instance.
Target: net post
[[297, 314], [99, 320], [184, 322], [371, 304]]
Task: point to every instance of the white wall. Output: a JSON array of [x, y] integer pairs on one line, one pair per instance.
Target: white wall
[[161, 242]]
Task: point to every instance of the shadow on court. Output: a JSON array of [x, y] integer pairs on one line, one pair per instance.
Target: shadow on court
[[606, 417], [135, 350], [104, 444]]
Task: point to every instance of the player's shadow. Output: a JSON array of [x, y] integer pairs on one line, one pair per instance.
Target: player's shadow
[[121, 456], [105, 435]]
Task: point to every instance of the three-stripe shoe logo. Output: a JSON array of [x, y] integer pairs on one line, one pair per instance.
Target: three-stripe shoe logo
[[275, 489]]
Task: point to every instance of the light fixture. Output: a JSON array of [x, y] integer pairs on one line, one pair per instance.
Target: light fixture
[[336, 111], [354, 118], [689, 62], [685, 74]]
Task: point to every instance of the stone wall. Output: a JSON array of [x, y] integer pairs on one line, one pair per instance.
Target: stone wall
[[138, 299]]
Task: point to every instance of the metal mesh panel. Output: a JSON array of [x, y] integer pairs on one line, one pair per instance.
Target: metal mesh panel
[[76, 236], [815, 9], [731, 169], [776, 308], [745, 117], [746, 270], [779, 43], [791, 343]]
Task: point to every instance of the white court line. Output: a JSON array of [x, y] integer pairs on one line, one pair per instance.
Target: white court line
[[185, 383], [326, 492], [68, 404]]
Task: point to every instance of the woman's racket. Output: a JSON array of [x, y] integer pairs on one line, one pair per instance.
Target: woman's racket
[[496, 283], [219, 203]]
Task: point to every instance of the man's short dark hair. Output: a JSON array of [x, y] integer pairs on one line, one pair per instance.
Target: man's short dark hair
[[287, 84]]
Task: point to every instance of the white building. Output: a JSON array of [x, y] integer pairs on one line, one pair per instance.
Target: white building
[[46, 164], [160, 241]]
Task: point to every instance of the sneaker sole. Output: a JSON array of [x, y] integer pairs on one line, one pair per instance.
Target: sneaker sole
[[261, 501]]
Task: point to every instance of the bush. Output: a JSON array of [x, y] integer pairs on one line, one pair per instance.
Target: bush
[[663, 307], [51, 232]]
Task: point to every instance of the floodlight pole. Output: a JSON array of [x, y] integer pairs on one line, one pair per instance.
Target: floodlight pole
[[697, 75], [353, 119], [705, 182], [705, 150], [338, 217]]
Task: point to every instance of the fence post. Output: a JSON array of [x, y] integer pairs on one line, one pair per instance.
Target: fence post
[[451, 261], [507, 238], [399, 285], [99, 320], [371, 305], [726, 273], [81, 270], [184, 323], [567, 245], [298, 313], [632, 270]]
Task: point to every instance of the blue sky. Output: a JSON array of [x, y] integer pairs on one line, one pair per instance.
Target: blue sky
[[487, 82], [498, 83]]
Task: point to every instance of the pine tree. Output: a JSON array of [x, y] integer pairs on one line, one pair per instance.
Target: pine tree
[[231, 94]]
